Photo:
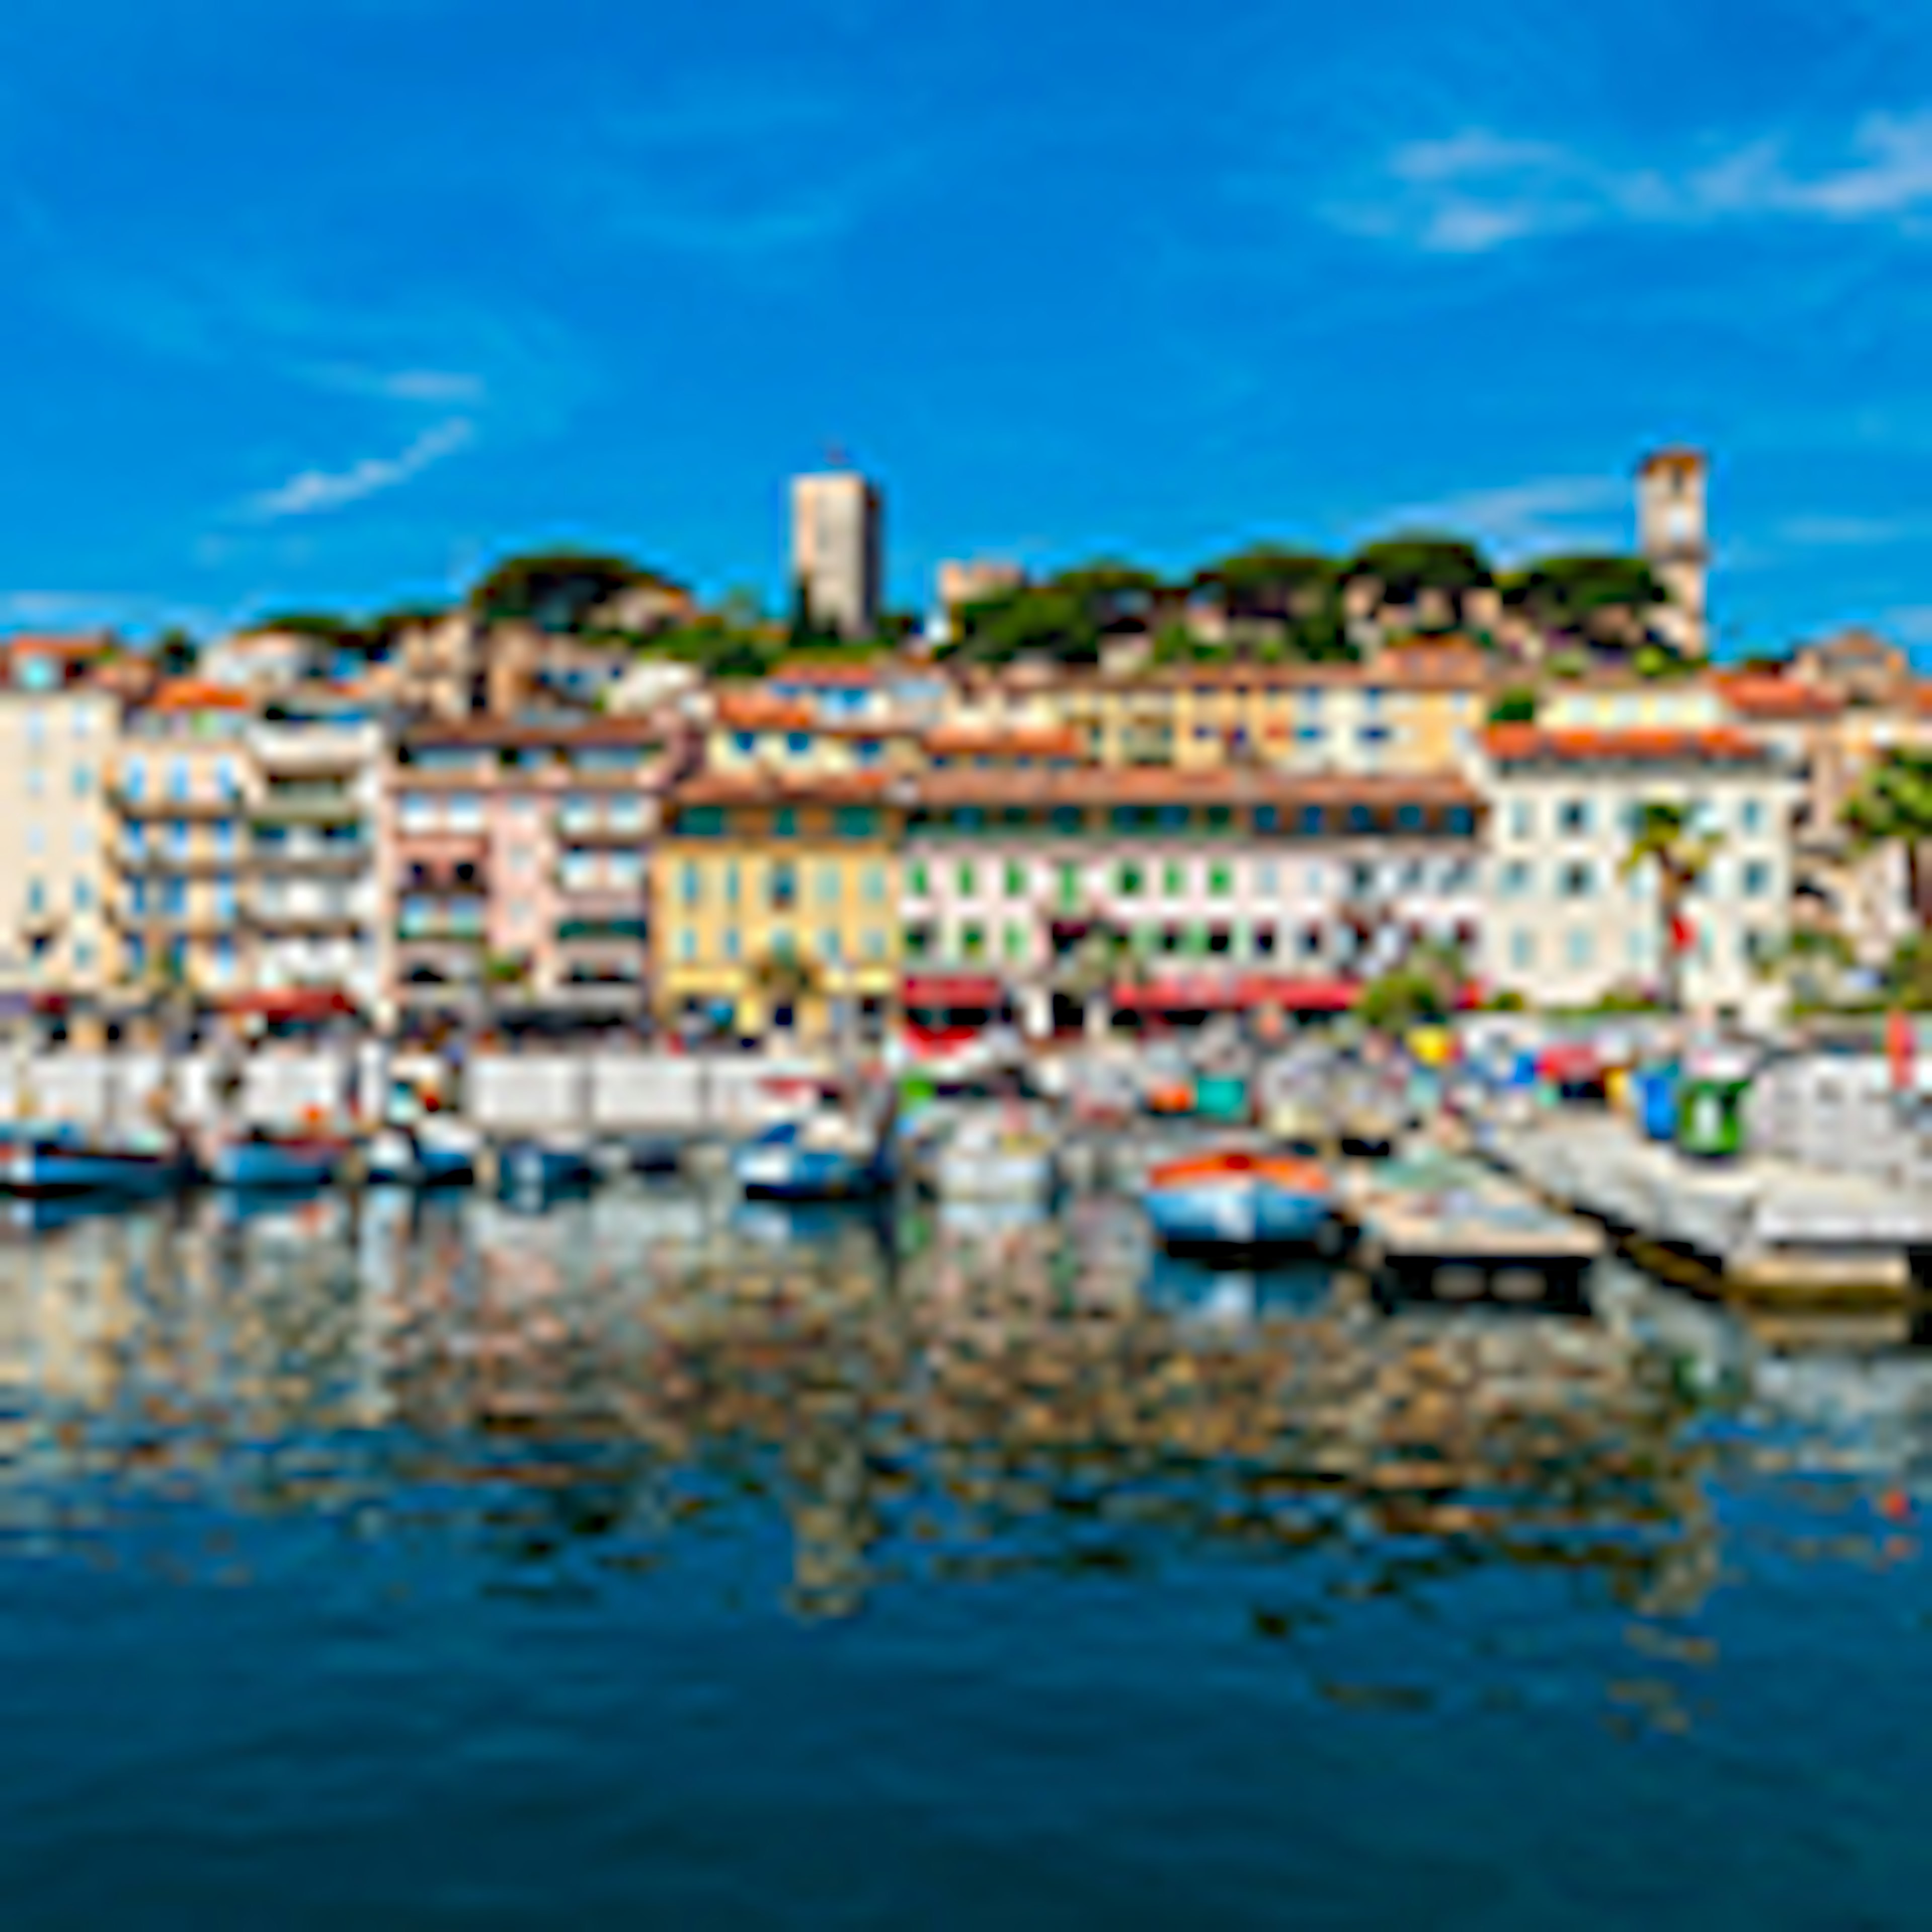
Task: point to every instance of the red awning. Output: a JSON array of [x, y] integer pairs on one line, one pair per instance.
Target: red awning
[[291, 1002], [1575, 1061], [953, 989], [1182, 993]]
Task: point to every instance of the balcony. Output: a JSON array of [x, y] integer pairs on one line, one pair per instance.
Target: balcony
[[283, 914], [307, 805], [304, 748], [575, 827], [446, 925], [202, 808], [148, 861], [312, 855], [633, 930]]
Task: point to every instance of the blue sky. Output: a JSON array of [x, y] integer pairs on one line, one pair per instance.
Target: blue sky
[[329, 301]]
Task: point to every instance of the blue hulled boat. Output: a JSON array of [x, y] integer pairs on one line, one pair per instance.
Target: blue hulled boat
[[546, 1167], [412, 1157], [40, 1165], [267, 1161], [1238, 1201], [821, 1158]]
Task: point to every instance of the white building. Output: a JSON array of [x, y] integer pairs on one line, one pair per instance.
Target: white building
[[312, 907], [1563, 924]]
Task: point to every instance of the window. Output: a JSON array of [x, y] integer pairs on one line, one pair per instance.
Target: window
[[1460, 821], [797, 743], [1582, 947], [856, 821], [178, 779], [83, 780], [1070, 887], [917, 883], [1267, 879], [875, 943], [1754, 881], [464, 812], [1523, 948], [224, 898], [692, 888], [1577, 880], [784, 823], [1065, 820], [965, 879], [1408, 818], [1129, 881], [1522, 819], [1267, 818], [37, 782], [973, 941], [1220, 882], [874, 885], [1574, 816], [1361, 818], [968, 818], [733, 945], [1751, 815], [828, 947], [37, 895], [701, 821], [687, 946], [830, 885], [83, 895], [744, 742], [1220, 819], [133, 778], [783, 886], [1015, 943]]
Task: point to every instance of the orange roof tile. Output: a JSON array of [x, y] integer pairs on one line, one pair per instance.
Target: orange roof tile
[[826, 671], [1531, 744], [189, 693], [754, 710], [1765, 695], [763, 787], [1046, 741], [1165, 784]]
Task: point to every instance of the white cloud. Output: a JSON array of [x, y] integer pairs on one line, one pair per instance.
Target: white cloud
[[1833, 532], [1545, 513], [1911, 623], [316, 490], [1477, 191]]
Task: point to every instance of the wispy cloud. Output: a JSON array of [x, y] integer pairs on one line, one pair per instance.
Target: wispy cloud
[[1830, 532], [99, 609], [1477, 191], [315, 491], [1542, 514]]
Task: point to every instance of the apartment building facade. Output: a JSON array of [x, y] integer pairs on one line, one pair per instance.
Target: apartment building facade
[[1566, 921]]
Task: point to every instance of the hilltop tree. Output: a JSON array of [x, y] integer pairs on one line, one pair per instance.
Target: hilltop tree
[[557, 590], [1268, 580], [1407, 566], [1580, 594]]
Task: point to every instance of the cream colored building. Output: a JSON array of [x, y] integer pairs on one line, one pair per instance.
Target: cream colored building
[[1673, 535], [57, 753], [1563, 925], [836, 550]]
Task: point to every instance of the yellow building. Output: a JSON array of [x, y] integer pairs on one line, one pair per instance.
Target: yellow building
[[58, 732], [1411, 712], [776, 903]]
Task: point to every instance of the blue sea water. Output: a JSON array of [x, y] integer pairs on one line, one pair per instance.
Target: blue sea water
[[647, 1563]]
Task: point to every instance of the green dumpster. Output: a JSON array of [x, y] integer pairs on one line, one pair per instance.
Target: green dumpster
[[1711, 1116]]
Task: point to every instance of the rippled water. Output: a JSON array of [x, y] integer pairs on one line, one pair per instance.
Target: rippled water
[[649, 1562]]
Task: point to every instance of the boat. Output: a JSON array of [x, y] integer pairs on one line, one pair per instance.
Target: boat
[[1233, 1199], [995, 1156], [412, 1157], [823, 1157], [61, 1161], [260, 1160], [549, 1166]]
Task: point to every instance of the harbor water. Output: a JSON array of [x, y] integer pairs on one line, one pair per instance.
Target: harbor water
[[653, 1560]]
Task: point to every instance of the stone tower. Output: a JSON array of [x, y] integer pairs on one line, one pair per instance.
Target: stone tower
[[1672, 534]]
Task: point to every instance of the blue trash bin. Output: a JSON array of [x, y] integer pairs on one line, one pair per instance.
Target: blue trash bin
[[1657, 1103]]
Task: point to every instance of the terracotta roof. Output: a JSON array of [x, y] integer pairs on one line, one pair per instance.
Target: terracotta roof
[[1677, 457], [46, 645], [751, 710], [813, 670], [189, 694], [1762, 694], [770, 788], [1163, 785], [482, 733], [1530, 744], [1038, 741]]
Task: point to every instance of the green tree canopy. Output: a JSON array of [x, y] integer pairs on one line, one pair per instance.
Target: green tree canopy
[[557, 589], [1894, 807], [1515, 706], [1565, 593], [1407, 565]]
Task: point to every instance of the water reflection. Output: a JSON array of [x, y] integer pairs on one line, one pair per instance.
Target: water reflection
[[947, 1398]]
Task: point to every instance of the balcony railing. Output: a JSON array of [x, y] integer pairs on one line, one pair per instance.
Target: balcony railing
[[319, 805], [441, 924]]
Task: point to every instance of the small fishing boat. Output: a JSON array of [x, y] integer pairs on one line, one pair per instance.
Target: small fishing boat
[[260, 1160], [60, 1161], [993, 1155], [823, 1156], [416, 1157], [547, 1166], [1233, 1199]]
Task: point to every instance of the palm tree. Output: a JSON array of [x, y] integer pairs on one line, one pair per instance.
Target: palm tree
[[1665, 835], [785, 978], [1894, 808]]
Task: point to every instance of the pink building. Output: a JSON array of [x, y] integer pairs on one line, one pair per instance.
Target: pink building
[[514, 860]]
